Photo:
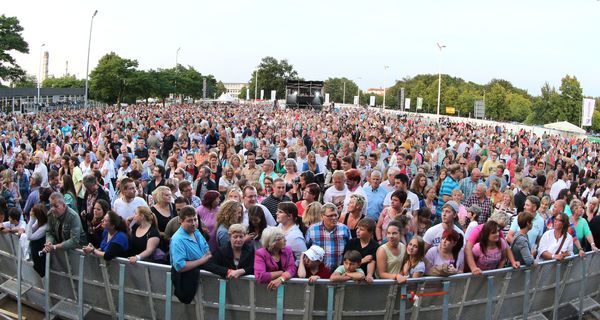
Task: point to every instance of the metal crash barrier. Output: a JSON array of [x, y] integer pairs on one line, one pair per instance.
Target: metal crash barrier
[[81, 286]]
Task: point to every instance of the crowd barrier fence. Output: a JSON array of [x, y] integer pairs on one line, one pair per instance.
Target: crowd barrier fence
[[82, 286]]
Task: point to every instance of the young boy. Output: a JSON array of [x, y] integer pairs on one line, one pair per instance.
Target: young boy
[[312, 266], [14, 224], [366, 245], [473, 214], [350, 269]]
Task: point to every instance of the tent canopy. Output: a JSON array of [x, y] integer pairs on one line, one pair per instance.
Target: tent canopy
[[225, 97], [565, 126]]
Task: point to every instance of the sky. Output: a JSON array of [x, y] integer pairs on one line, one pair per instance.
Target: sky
[[525, 42]]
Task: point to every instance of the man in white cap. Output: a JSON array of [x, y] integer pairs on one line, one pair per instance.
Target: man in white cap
[[312, 266], [433, 236]]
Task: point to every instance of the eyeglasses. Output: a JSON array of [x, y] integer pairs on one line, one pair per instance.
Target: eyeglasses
[[331, 216], [463, 163]]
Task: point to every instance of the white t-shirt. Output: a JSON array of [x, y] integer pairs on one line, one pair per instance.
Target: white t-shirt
[[433, 236], [360, 191], [126, 210], [470, 227], [322, 163], [335, 196]]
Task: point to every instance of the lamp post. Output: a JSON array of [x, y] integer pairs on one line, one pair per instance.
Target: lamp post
[[255, 85], [87, 68], [176, 71], [358, 89], [39, 79], [384, 73], [439, 77]]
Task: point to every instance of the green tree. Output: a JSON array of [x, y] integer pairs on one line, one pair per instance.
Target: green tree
[[596, 121], [220, 88], [335, 88], [545, 107], [242, 95], [571, 96], [11, 39], [495, 107], [63, 82], [27, 81], [272, 75], [112, 78], [518, 105]]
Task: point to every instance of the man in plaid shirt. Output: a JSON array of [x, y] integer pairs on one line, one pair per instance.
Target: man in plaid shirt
[[329, 235], [480, 198]]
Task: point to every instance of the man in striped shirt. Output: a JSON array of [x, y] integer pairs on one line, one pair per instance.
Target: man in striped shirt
[[449, 184]]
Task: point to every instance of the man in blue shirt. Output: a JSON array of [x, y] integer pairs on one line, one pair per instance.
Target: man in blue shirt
[[189, 254], [375, 195]]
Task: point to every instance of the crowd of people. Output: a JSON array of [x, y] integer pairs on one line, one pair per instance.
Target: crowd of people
[[343, 194]]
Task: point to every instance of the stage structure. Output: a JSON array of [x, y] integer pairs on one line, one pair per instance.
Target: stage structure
[[304, 94]]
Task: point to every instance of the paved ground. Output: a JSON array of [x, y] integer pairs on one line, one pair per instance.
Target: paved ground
[[30, 313]]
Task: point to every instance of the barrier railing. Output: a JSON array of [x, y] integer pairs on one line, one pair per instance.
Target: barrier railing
[[82, 286]]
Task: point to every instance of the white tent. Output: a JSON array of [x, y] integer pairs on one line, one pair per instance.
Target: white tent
[[565, 126], [225, 97]]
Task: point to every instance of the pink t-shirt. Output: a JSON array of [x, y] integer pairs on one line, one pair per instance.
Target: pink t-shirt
[[490, 259], [474, 235]]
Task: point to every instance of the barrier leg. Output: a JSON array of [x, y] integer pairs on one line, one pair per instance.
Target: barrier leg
[[582, 289], [330, 294], [526, 294], [80, 288], [446, 300], [47, 285], [223, 300], [19, 282], [490, 298], [121, 291], [556, 293], [280, 292], [168, 296], [402, 302]]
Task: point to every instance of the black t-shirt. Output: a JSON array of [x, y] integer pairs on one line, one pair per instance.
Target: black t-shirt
[[370, 249], [162, 220], [595, 228], [138, 245]]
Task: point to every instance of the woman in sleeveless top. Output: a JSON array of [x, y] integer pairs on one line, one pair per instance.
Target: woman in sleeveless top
[[388, 214], [390, 256], [354, 214]]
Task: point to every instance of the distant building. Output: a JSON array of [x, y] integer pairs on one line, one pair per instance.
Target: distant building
[[234, 89], [375, 91]]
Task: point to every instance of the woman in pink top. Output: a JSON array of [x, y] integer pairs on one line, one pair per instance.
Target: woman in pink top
[[388, 214], [491, 251], [207, 212], [274, 263]]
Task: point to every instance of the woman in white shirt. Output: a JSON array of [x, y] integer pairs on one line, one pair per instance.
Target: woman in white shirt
[[556, 243], [36, 235]]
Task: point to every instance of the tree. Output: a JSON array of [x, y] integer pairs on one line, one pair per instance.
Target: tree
[[111, 78], [63, 82], [28, 81], [242, 95], [11, 39], [220, 88], [335, 88], [272, 75], [571, 96]]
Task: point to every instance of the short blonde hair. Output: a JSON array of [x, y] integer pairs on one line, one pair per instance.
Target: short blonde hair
[[237, 228], [312, 214], [271, 235], [159, 192]]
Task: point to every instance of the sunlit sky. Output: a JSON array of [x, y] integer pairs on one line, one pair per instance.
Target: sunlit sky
[[525, 42]]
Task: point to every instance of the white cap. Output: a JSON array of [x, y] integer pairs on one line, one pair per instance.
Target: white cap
[[315, 253]]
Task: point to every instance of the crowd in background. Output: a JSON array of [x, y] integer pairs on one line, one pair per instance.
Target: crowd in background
[[343, 194]]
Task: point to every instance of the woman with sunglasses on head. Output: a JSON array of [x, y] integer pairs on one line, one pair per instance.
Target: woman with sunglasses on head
[[556, 243]]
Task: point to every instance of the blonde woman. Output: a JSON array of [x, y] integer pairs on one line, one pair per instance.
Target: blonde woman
[[163, 209], [144, 237], [230, 213], [312, 214]]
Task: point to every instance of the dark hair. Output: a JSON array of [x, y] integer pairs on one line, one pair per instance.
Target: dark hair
[[353, 256], [40, 212], [75, 160], [353, 174], [117, 221], [181, 200], [313, 189], [489, 227], [350, 160], [565, 223], [67, 185], [185, 212], [403, 178], [524, 218], [401, 195], [209, 197], [161, 170], [309, 176], [368, 224], [336, 160], [534, 200], [14, 213], [454, 236], [291, 209], [256, 212], [45, 195]]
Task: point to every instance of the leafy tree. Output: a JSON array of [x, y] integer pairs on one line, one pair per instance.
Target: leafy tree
[[28, 81], [220, 88], [63, 82], [596, 121], [112, 77], [571, 96], [242, 95], [272, 75], [11, 39], [335, 88]]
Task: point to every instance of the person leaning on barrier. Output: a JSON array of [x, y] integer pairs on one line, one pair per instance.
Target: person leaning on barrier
[[237, 256], [520, 244], [115, 242], [311, 265], [64, 226], [189, 253], [556, 243], [274, 262]]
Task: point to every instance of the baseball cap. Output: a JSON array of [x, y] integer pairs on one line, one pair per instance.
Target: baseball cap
[[452, 204], [315, 253]]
